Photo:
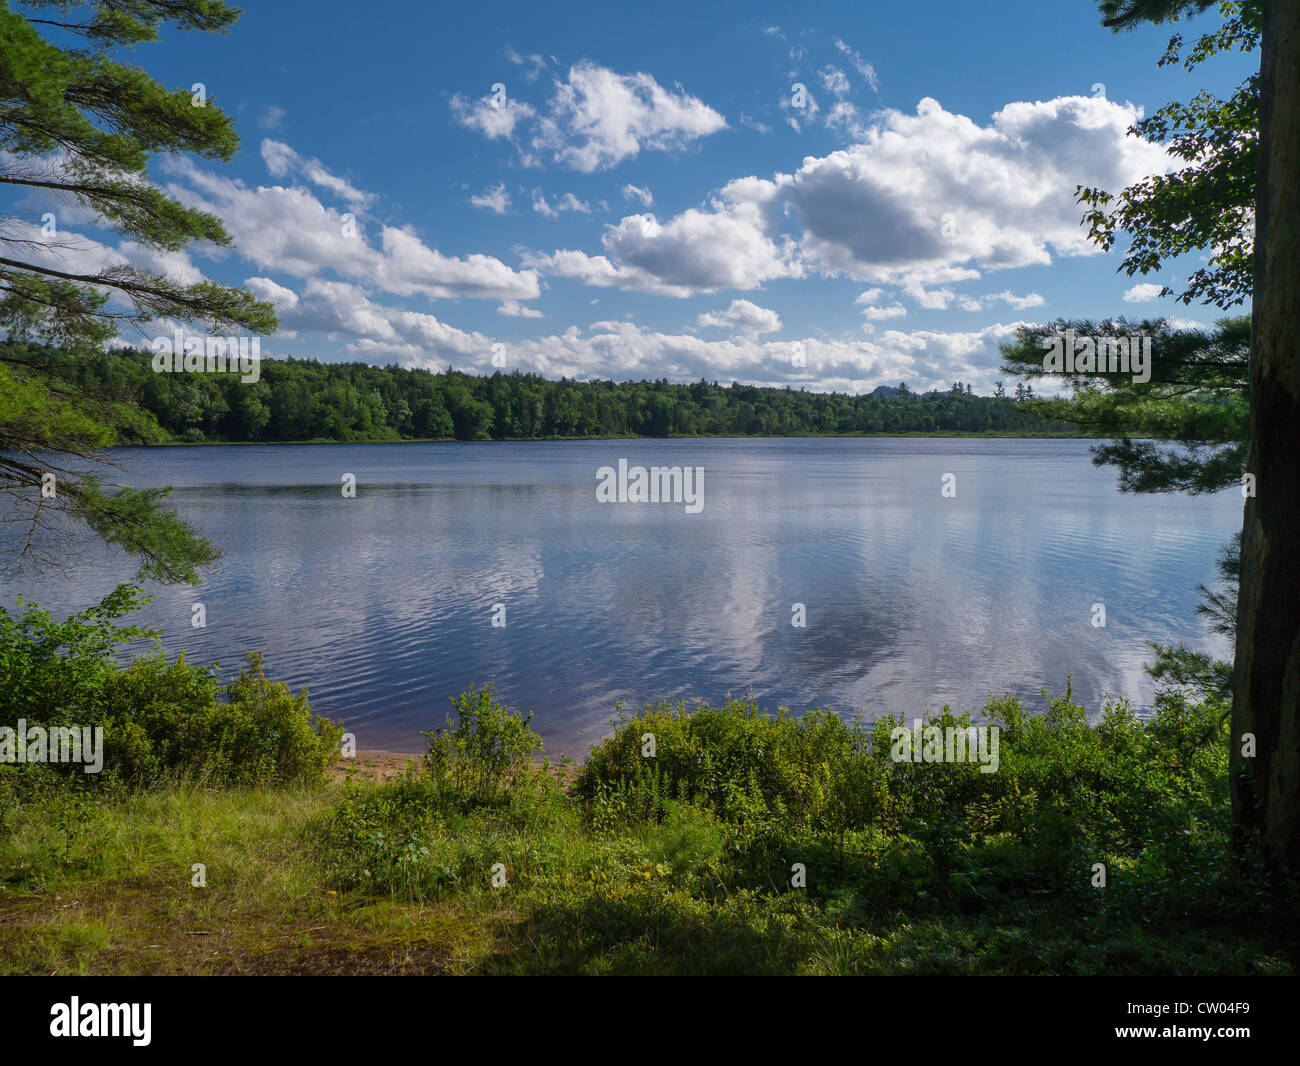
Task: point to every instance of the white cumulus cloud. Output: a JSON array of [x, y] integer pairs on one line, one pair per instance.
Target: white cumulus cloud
[[282, 161], [742, 317], [598, 118], [494, 198], [1143, 293]]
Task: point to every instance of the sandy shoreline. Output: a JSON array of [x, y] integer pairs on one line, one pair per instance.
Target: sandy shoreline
[[372, 765]]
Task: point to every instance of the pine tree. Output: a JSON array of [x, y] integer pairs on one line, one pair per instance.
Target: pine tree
[[77, 123]]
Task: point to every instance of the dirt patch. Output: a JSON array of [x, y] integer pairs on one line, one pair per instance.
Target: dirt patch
[[374, 765], [384, 765]]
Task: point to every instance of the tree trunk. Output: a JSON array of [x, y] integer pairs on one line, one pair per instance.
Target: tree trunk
[[1266, 701]]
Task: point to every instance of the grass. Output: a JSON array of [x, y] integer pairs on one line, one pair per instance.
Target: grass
[[119, 897], [683, 869], [119, 900]]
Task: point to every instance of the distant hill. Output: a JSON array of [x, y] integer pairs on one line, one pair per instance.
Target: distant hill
[[888, 391]]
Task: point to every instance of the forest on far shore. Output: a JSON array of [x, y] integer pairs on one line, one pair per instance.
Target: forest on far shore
[[307, 400]]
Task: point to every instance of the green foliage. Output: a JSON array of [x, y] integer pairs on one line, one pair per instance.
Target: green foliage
[[80, 125], [1182, 431], [413, 838], [101, 121], [1208, 204], [43, 410], [160, 719], [1127, 14], [1220, 607], [302, 400], [681, 862], [52, 672], [910, 868], [442, 828], [168, 547], [177, 721], [1184, 667], [483, 753], [1061, 785], [735, 761]]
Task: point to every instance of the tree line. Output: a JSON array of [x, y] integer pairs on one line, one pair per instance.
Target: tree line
[[306, 400]]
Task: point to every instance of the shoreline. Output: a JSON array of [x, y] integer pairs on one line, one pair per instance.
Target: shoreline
[[913, 434], [373, 764]]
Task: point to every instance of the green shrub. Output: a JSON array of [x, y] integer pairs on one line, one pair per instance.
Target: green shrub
[[56, 672], [173, 718], [160, 718], [741, 764], [484, 752]]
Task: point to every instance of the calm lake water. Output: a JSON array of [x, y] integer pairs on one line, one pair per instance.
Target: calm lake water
[[382, 605]]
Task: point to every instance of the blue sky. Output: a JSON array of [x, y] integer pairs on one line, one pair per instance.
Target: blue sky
[[645, 199]]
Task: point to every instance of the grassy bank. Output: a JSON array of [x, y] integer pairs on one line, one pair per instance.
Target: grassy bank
[[685, 861]]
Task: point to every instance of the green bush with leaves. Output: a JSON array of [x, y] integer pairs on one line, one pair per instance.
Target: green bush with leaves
[[736, 761], [173, 718], [161, 718], [56, 672], [681, 861], [1064, 789], [483, 752]]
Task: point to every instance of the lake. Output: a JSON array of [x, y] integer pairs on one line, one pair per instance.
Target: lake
[[384, 604]]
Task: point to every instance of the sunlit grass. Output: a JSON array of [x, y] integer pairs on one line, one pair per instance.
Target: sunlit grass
[[938, 874]]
